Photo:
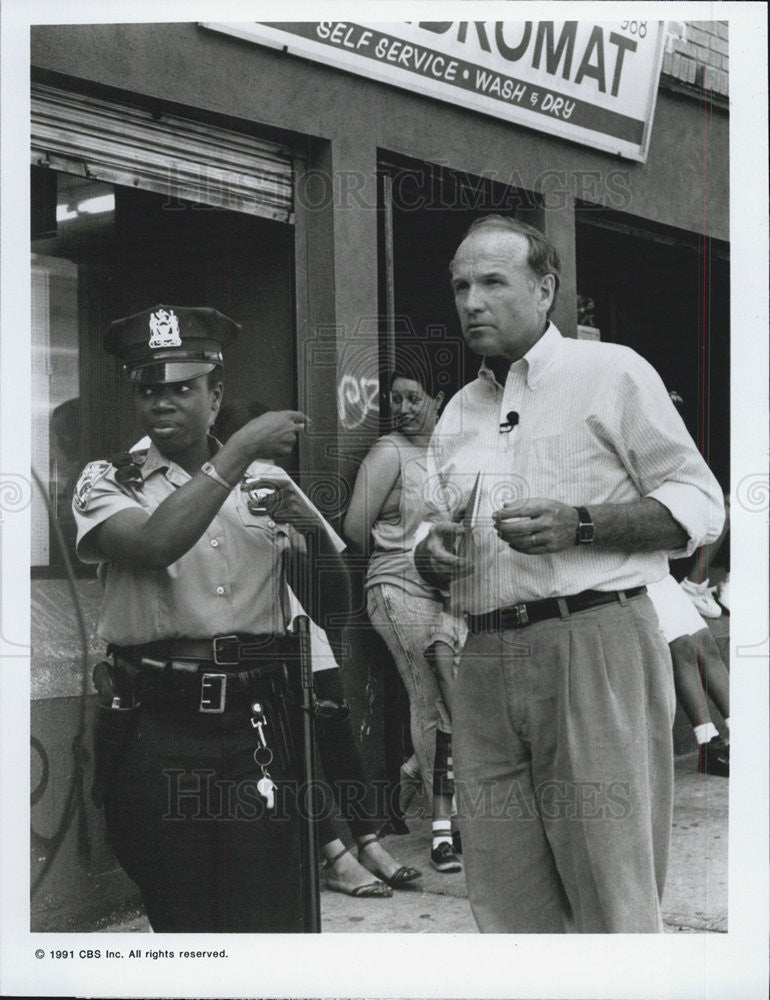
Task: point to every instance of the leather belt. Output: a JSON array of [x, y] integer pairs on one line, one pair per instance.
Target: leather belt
[[519, 615], [219, 699], [222, 650], [200, 674]]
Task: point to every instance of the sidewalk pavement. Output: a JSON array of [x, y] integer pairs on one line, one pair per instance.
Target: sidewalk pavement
[[695, 899]]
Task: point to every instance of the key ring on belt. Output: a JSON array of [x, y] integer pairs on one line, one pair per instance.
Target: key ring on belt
[[263, 756]]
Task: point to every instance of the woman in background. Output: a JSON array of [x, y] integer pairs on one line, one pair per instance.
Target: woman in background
[[387, 504]]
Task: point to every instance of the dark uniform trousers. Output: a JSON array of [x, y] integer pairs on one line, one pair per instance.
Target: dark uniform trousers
[[188, 825]]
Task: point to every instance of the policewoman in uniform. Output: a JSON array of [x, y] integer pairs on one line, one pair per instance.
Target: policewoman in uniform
[[201, 804]]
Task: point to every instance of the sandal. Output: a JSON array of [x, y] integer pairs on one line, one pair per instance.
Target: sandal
[[371, 890], [400, 877]]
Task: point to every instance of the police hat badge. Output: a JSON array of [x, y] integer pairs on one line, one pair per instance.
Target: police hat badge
[[170, 343], [164, 329]]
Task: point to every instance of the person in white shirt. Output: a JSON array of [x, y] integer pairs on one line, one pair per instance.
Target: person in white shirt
[[699, 670], [561, 480]]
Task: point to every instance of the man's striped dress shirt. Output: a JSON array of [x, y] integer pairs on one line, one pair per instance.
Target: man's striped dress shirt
[[596, 425]]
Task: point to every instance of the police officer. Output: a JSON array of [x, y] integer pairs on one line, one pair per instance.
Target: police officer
[[202, 805]]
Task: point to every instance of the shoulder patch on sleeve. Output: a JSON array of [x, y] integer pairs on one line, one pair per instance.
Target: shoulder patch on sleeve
[[91, 475]]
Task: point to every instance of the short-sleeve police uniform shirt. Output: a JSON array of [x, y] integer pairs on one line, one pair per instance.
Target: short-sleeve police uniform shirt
[[231, 580]]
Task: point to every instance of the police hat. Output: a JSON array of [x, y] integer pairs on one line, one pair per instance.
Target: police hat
[[170, 343]]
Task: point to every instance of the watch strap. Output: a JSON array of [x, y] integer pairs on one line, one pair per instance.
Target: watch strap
[[585, 529], [208, 470]]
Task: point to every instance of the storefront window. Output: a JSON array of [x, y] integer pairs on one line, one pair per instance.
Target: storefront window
[[55, 392], [69, 213], [102, 251]]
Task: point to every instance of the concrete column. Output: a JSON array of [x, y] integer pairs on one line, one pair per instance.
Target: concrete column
[[559, 227], [338, 383], [336, 289]]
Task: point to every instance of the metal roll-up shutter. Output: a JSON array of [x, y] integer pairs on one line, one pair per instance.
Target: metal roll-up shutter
[[170, 155]]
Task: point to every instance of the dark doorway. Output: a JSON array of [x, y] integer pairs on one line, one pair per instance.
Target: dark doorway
[[666, 294], [425, 210]]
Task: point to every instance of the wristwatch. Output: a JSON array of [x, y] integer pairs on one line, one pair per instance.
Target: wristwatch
[[208, 470], [585, 529]]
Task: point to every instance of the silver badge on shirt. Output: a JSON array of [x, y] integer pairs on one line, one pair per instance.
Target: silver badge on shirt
[[257, 492]]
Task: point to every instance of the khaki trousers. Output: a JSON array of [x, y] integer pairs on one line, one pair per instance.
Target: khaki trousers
[[564, 772]]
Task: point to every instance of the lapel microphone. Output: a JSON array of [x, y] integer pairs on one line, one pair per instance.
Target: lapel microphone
[[511, 419]]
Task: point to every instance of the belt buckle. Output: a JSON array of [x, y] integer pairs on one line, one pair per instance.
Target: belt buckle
[[213, 687], [520, 616], [226, 649]]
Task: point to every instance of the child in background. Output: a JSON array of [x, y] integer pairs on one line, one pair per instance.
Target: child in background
[[698, 670], [708, 601], [443, 651]]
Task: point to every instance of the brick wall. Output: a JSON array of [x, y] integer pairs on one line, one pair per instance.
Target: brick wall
[[696, 53]]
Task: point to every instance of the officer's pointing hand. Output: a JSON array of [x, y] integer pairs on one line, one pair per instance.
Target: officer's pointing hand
[[536, 526], [273, 434]]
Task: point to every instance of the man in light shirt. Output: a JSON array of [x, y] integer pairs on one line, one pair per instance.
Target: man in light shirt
[[574, 479]]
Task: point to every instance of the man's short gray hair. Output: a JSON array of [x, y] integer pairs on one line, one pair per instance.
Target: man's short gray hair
[[542, 256]]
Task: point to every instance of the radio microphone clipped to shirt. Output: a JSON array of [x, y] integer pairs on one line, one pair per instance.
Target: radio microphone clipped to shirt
[[511, 420]]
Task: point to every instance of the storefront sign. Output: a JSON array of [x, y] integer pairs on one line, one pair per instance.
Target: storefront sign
[[594, 83]]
